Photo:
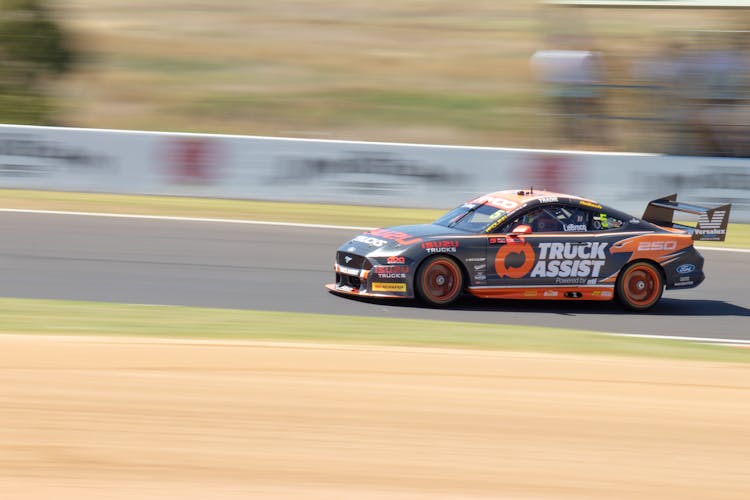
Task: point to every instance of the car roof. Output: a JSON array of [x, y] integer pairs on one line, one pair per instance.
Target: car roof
[[511, 199]]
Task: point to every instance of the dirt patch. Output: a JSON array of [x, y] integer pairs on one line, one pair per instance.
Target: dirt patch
[[134, 418]]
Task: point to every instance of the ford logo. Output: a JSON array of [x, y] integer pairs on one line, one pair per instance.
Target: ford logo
[[686, 268]]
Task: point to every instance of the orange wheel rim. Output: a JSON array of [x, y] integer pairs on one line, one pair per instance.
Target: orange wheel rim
[[641, 285], [441, 281]]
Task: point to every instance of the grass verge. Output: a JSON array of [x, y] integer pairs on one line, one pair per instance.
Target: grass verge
[[738, 235], [347, 215], [93, 318]]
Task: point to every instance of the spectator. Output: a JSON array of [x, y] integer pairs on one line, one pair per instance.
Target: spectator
[[573, 81]]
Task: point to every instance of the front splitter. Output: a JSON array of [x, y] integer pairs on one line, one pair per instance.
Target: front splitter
[[356, 293]]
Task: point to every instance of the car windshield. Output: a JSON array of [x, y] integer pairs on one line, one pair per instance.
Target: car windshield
[[473, 217]]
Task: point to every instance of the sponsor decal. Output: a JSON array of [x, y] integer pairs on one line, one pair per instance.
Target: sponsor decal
[[548, 199], [495, 224], [476, 259], [589, 204], [685, 269], [714, 222], [570, 260], [440, 246], [390, 272], [634, 220], [591, 281], [373, 242], [497, 240], [530, 293], [551, 293], [347, 270], [683, 283], [348, 259], [395, 259], [601, 293], [514, 261], [388, 287], [650, 246], [684, 278], [574, 227], [712, 226], [497, 202], [710, 232], [480, 277], [399, 237], [480, 267], [441, 250]]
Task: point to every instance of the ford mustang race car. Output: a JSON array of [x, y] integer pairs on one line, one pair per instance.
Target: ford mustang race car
[[533, 245]]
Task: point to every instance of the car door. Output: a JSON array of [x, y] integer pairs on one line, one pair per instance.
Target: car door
[[560, 250]]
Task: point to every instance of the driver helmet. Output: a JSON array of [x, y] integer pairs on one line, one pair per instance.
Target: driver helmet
[[542, 221]]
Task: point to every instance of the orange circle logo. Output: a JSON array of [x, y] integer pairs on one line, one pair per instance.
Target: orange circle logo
[[514, 261]]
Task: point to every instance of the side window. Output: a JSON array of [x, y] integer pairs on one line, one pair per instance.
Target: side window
[[553, 219], [602, 221]]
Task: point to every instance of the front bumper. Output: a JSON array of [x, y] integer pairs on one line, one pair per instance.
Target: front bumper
[[358, 275]]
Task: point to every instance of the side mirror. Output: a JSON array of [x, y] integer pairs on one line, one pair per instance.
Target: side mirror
[[522, 229]]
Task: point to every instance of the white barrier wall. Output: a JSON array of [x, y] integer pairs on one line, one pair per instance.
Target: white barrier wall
[[350, 172]]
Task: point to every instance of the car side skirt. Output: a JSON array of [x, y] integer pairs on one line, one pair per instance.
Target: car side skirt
[[580, 292]]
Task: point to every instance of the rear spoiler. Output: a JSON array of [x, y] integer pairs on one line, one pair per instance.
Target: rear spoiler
[[712, 222]]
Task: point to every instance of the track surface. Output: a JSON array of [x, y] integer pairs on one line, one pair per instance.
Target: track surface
[[285, 268]]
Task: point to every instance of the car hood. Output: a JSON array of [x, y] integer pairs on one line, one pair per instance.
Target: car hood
[[398, 237]]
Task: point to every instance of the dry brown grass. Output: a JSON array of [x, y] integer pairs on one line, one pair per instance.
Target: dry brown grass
[[433, 71]]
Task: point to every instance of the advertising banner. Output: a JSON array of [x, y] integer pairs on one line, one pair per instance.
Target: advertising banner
[[341, 172]]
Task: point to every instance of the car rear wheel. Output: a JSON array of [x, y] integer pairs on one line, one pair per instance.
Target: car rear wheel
[[640, 286], [439, 281]]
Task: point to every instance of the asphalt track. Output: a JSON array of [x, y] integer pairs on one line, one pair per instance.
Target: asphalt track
[[216, 264]]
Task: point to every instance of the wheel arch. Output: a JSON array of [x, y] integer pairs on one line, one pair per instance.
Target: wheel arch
[[650, 261], [426, 259], [461, 265]]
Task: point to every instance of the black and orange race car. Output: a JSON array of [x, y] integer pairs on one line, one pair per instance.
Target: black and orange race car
[[528, 244]]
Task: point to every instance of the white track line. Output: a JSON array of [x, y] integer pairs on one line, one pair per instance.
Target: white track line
[[694, 339], [243, 221], [328, 346], [724, 249], [186, 219]]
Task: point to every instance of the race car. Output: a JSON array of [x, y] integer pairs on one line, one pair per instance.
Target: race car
[[526, 244]]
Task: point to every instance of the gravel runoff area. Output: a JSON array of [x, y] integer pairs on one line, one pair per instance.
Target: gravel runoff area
[[141, 418]]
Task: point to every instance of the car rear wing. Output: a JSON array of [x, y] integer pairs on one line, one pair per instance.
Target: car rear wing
[[712, 222]]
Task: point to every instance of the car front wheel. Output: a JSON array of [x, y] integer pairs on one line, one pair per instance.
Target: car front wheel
[[439, 281]]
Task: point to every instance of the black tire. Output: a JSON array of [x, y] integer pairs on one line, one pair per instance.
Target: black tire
[[439, 281], [639, 286]]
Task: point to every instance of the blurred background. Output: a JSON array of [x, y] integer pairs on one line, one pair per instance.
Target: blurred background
[[510, 73]]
